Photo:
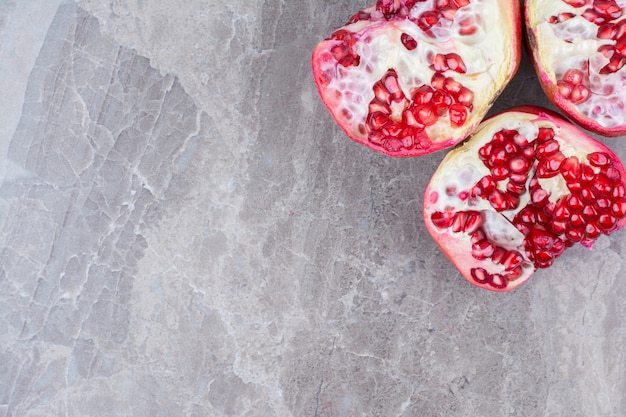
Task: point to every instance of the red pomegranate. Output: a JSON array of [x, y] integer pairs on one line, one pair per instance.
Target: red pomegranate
[[525, 186], [411, 77], [579, 52]]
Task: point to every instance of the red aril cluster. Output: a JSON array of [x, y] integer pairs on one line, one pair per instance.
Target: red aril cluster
[[401, 76], [525, 187], [579, 51]]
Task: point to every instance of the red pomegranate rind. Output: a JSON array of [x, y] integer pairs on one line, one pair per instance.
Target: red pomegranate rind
[[411, 77], [579, 53], [522, 189]]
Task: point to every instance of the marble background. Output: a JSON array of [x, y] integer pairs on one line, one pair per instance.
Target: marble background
[[184, 231]]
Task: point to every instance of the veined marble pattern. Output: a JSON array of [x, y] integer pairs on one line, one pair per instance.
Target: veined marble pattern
[[185, 232]]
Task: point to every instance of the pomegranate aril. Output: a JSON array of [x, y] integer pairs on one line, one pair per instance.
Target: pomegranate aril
[[607, 223], [575, 203], [592, 231], [619, 208], [480, 275], [439, 63], [500, 173], [587, 174], [545, 134], [482, 250], [427, 20], [452, 86], [574, 235], [497, 281], [408, 41], [606, 31], [573, 76], [458, 115], [547, 148], [539, 197], [422, 94], [570, 169], [519, 165], [512, 259], [455, 63], [602, 186], [426, 114], [474, 221], [599, 159], [458, 224], [589, 213]]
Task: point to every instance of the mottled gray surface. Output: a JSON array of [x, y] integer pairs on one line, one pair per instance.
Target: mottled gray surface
[[185, 232]]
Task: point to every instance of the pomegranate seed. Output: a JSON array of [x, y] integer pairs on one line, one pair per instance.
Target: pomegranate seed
[[515, 188], [519, 165], [575, 203], [514, 273], [608, 8], [594, 17], [482, 250], [498, 255], [619, 191], [460, 3], [427, 20], [458, 115], [474, 221], [452, 86], [437, 81], [465, 96], [587, 174], [455, 63], [575, 3], [480, 275], [579, 94], [616, 63], [603, 205], [561, 212], [439, 63], [543, 259], [485, 151], [408, 41], [545, 134], [477, 236], [599, 159], [592, 231], [574, 235], [539, 197], [441, 100], [458, 224], [519, 179], [500, 173], [590, 213], [541, 239], [497, 281], [570, 169], [512, 259], [587, 196], [573, 76], [527, 215], [547, 148], [619, 208], [607, 223], [559, 227], [606, 31], [426, 114], [613, 175], [565, 89], [602, 186], [422, 95], [498, 200]]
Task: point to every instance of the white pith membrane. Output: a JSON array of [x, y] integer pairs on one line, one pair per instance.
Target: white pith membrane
[[488, 55], [573, 44], [462, 169]]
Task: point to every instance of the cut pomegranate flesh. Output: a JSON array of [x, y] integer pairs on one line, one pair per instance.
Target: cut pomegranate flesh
[[526, 186], [411, 77], [579, 53]]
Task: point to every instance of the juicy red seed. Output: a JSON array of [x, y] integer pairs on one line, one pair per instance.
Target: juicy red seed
[[441, 100], [603, 205], [613, 174], [458, 115], [619, 208], [587, 196], [512, 259], [465, 96], [602, 186], [426, 114], [575, 203], [606, 31], [599, 159], [608, 8], [561, 17], [474, 221], [497, 157], [438, 81], [422, 95], [455, 63], [587, 174], [452, 86], [500, 173], [439, 63], [575, 3], [545, 133], [547, 148], [482, 250], [498, 255], [408, 41], [497, 281], [570, 169], [477, 236], [480, 275], [539, 197], [427, 20], [458, 224], [592, 231], [616, 62], [442, 220], [559, 227], [499, 200], [485, 151], [590, 213], [607, 222], [574, 235], [619, 191], [576, 221], [541, 239], [543, 259], [519, 165], [561, 212], [527, 215], [515, 188], [573, 76]]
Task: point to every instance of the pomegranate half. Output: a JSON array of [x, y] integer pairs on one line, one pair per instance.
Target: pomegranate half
[[411, 77], [523, 188], [579, 52]]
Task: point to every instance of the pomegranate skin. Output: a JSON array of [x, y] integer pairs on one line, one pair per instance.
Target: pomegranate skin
[[446, 82], [543, 58], [566, 198]]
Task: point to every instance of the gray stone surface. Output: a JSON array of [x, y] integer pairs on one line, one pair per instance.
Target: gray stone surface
[[185, 232]]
